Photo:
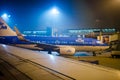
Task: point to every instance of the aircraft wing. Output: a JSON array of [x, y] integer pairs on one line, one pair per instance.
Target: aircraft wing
[[40, 66]]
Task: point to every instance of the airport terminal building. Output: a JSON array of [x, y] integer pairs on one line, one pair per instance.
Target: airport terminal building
[[100, 34], [89, 32]]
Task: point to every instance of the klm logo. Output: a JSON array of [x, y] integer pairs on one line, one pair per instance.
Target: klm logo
[[2, 26], [68, 50], [79, 40]]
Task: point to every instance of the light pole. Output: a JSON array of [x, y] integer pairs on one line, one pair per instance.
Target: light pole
[[54, 13]]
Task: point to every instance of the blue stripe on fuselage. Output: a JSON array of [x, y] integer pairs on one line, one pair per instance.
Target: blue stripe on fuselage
[[50, 40], [11, 40]]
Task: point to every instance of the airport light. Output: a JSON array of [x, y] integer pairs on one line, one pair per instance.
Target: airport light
[[5, 16], [55, 11]]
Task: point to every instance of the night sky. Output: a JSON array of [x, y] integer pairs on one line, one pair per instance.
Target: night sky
[[73, 14]]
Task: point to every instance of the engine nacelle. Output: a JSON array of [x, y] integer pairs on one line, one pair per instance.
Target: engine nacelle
[[67, 50]]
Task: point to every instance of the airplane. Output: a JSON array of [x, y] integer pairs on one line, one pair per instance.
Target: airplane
[[62, 45]]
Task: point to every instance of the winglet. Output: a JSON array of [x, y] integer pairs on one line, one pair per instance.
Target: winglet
[[19, 35]]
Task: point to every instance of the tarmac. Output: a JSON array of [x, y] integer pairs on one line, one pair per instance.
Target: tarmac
[[105, 59]]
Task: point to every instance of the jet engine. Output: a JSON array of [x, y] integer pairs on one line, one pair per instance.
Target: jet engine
[[67, 50]]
